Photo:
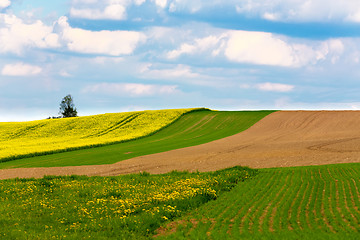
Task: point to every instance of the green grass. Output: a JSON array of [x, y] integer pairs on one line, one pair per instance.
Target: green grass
[[191, 129], [318, 202], [121, 207]]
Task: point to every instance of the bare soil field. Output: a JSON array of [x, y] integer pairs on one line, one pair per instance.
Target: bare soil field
[[282, 139]]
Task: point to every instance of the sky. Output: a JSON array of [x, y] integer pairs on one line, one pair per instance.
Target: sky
[[130, 55]]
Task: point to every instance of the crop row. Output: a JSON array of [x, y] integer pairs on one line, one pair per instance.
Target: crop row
[[20, 139], [293, 203]]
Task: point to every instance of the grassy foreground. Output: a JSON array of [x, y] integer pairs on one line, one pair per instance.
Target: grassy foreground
[[191, 129], [318, 202], [122, 207], [24, 139]]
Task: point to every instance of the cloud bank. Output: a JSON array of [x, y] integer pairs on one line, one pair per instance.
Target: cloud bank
[[20, 69], [16, 35], [105, 42], [301, 11], [130, 89], [260, 48], [4, 3]]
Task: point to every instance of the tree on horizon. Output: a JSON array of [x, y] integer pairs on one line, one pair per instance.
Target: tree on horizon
[[67, 107]]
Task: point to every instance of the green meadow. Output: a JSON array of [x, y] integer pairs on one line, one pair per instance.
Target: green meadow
[[315, 202], [121, 207]]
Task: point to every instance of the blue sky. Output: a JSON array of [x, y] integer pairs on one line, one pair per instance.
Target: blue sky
[[125, 55]]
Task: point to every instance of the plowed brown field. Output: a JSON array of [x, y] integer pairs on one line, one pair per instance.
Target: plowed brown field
[[282, 139]]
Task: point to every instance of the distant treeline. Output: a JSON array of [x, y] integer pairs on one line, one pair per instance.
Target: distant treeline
[[54, 117]]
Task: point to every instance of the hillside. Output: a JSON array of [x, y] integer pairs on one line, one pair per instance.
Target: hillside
[[191, 129], [282, 139], [311, 202], [24, 139]]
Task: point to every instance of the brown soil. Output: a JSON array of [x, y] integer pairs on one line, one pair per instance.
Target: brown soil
[[282, 139]]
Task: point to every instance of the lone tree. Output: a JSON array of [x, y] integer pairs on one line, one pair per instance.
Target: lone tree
[[67, 107]]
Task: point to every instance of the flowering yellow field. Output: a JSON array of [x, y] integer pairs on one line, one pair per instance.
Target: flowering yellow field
[[121, 207], [55, 135]]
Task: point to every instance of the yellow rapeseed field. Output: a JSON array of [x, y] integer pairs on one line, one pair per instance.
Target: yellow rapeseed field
[[54, 135]]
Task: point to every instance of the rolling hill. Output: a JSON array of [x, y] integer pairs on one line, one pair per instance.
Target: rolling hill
[[194, 128]]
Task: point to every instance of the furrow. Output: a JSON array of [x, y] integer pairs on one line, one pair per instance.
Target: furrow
[[310, 199], [351, 211], [322, 209], [339, 207], [290, 218], [221, 220], [276, 219], [353, 191], [353, 200], [264, 208], [252, 205], [299, 215], [236, 221], [353, 223], [332, 204], [235, 212], [221, 224]]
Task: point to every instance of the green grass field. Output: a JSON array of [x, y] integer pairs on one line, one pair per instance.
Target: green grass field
[[316, 202], [122, 207], [191, 129]]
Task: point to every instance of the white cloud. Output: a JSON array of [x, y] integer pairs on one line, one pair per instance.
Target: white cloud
[[200, 45], [107, 9], [332, 48], [4, 3], [259, 48], [180, 71], [301, 11], [354, 16], [139, 2], [106, 60], [270, 16], [183, 74], [269, 49], [279, 10], [161, 3], [192, 6], [84, 1], [20, 69], [336, 46], [185, 48], [15, 35], [249, 47], [64, 73], [275, 87], [112, 11], [130, 89], [112, 43]]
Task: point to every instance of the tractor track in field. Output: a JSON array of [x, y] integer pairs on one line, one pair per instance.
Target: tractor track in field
[[281, 139]]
